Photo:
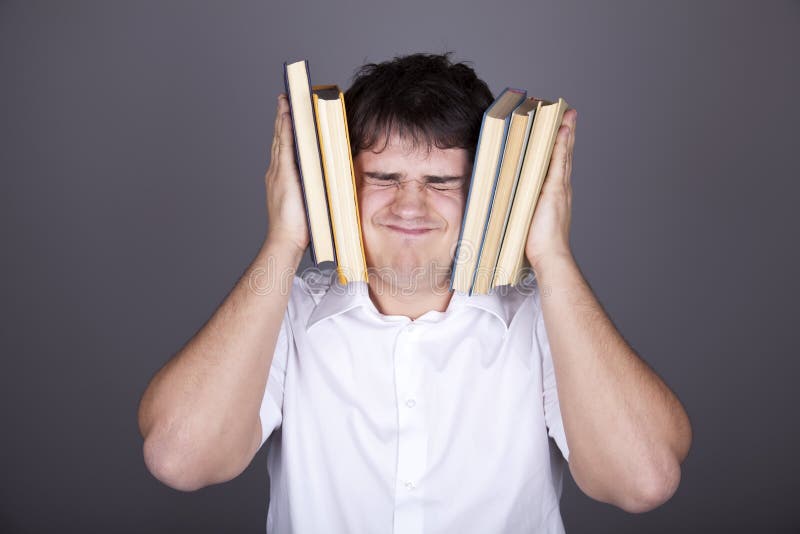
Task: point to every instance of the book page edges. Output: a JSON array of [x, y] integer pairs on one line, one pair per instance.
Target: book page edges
[[562, 106], [465, 267], [363, 275], [505, 276], [458, 266], [313, 237], [454, 267], [498, 213], [507, 179], [492, 191], [328, 178]]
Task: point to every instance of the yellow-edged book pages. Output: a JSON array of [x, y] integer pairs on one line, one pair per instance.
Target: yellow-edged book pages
[[547, 120], [337, 162], [488, 154], [359, 257], [518, 133]]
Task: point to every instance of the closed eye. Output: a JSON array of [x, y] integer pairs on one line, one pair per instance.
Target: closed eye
[[382, 179], [450, 183], [437, 183]]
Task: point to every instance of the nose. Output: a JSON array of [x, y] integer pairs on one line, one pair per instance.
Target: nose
[[410, 200]]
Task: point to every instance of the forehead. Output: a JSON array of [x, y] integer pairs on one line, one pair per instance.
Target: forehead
[[402, 155]]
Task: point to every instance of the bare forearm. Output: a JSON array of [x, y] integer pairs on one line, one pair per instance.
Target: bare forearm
[[627, 432], [199, 415]]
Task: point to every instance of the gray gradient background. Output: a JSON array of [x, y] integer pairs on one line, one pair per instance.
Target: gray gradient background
[[134, 141]]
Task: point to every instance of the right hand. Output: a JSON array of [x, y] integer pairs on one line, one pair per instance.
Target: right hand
[[285, 207]]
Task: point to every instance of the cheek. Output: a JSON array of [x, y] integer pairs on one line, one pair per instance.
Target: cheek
[[366, 206], [452, 209], [372, 202]]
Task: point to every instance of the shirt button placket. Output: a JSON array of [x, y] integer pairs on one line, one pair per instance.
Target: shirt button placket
[[412, 438]]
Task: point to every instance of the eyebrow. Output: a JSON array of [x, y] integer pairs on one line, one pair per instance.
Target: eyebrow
[[430, 178]]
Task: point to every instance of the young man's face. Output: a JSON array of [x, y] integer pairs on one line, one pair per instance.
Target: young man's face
[[411, 204]]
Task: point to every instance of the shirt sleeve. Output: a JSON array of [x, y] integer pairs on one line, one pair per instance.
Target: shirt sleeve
[[271, 412], [552, 409]]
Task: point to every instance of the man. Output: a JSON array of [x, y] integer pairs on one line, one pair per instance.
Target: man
[[398, 406]]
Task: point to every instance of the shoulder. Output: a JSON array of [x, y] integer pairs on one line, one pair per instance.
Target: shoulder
[[522, 298], [309, 288], [313, 283]]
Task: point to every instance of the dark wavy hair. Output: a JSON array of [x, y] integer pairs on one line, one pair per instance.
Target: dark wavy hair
[[425, 98]]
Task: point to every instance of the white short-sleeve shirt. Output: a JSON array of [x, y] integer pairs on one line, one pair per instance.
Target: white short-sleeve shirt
[[438, 425]]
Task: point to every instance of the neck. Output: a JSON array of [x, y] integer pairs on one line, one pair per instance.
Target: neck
[[409, 304]]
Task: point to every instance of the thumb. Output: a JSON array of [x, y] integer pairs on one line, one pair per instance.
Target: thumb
[[557, 178]]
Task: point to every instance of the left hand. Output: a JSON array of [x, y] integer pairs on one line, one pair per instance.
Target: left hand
[[549, 232]]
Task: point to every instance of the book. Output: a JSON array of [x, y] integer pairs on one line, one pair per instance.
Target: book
[[491, 141], [516, 141], [511, 262], [340, 182], [309, 163]]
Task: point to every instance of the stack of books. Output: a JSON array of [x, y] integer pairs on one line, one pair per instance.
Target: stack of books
[[511, 161], [325, 163]]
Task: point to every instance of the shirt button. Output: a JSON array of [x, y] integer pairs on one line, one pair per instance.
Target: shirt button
[[409, 485], [410, 328], [411, 403]]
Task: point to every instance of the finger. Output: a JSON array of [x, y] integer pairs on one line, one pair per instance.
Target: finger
[[572, 116], [273, 151], [276, 139], [286, 153], [573, 122], [558, 161], [282, 107], [283, 104], [566, 159], [277, 116]]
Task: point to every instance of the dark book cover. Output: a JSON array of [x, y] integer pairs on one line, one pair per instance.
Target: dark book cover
[[297, 159]]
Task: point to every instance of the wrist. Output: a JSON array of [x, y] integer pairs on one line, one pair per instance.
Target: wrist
[[284, 248], [552, 262], [281, 256], [274, 268]]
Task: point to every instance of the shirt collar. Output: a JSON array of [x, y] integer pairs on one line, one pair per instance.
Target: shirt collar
[[339, 299], [342, 298], [491, 303]]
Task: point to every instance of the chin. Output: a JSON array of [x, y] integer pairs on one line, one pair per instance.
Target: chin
[[396, 272], [412, 275]]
